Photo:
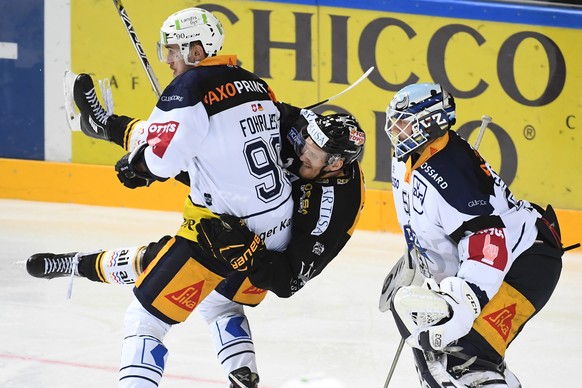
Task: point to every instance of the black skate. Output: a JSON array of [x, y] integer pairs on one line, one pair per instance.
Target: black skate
[[94, 119], [50, 266], [243, 378]]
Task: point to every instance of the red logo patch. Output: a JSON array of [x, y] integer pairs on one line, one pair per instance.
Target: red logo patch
[[488, 247], [160, 136], [502, 320], [187, 298], [254, 290]]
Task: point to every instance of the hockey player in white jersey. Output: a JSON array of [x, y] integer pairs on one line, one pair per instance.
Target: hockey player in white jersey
[[489, 261], [220, 124]]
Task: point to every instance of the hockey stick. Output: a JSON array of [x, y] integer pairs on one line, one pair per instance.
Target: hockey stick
[[138, 48], [363, 77], [394, 362], [485, 121]]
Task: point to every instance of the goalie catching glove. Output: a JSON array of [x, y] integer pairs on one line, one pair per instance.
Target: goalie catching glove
[[228, 239], [432, 316]]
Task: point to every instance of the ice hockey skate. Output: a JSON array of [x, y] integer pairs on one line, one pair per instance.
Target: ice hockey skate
[[94, 118], [50, 265], [243, 378]]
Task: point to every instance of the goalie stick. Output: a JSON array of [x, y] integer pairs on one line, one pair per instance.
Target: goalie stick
[[138, 47], [363, 77], [485, 121]]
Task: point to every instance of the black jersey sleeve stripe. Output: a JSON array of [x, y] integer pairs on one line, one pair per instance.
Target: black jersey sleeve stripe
[[475, 224]]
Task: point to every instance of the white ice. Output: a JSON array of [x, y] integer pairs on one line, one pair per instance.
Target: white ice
[[331, 328]]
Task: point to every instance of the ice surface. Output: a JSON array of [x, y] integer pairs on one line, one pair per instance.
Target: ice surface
[[331, 328]]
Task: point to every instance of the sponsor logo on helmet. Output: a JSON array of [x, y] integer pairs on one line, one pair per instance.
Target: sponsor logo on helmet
[[357, 137]]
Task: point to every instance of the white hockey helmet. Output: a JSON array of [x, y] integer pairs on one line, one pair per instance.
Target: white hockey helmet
[[191, 25], [418, 113]]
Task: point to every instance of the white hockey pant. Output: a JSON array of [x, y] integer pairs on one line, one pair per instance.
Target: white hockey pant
[[230, 332], [143, 355]]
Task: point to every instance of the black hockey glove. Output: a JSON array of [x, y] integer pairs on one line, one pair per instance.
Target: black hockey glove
[[127, 175], [228, 239]]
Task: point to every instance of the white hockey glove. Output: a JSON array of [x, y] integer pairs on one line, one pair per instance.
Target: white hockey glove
[[404, 273], [432, 316]]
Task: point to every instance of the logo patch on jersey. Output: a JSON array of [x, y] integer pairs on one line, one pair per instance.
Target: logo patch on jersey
[[325, 210], [188, 297], [488, 247], [160, 136], [304, 199], [231, 89], [318, 248], [257, 107], [254, 291], [502, 320], [418, 194]]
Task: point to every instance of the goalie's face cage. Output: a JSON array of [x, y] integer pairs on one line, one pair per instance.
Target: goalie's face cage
[[418, 113], [404, 132]]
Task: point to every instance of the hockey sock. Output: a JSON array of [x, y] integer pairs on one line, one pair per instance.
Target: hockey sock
[[116, 266]]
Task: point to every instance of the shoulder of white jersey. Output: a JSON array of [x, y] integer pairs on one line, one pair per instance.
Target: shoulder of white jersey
[[456, 173]]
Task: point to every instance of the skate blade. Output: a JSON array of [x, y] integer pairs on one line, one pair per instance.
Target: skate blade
[[73, 116]]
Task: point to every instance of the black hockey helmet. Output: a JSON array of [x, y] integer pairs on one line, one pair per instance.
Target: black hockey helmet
[[339, 135]]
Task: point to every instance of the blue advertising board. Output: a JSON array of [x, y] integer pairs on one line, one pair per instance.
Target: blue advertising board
[[22, 79]]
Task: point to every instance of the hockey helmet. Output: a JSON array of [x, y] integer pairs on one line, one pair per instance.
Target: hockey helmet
[[188, 26], [338, 134], [418, 113]]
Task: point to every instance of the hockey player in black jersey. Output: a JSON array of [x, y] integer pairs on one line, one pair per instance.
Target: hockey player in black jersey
[[328, 195], [328, 192]]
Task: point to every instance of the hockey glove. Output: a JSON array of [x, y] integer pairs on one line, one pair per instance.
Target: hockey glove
[[433, 316], [127, 172], [228, 239]]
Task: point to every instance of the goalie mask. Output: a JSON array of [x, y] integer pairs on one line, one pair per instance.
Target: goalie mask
[[188, 26], [339, 135], [418, 113]]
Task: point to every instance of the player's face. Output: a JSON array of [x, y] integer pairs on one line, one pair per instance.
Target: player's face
[[402, 129], [313, 160], [175, 59]]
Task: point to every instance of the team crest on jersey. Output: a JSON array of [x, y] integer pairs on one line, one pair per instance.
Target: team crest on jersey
[[188, 297], [160, 136], [418, 194]]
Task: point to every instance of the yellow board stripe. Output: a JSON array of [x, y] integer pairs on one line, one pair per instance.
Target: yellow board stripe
[[98, 185]]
